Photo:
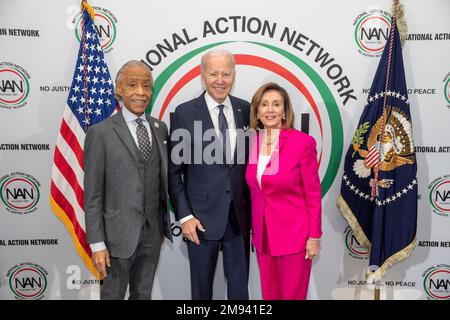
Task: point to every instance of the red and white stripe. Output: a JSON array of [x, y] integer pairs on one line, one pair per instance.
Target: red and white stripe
[[67, 188], [373, 157], [67, 185]]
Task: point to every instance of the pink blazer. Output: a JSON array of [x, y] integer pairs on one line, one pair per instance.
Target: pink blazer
[[290, 194]]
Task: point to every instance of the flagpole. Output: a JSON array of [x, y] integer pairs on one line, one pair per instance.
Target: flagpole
[[384, 115], [377, 293]]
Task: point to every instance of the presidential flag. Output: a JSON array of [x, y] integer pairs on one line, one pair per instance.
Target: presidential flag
[[91, 100], [379, 185]]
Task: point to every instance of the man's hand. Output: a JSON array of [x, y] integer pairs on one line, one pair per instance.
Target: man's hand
[[312, 248], [101, 260], [189, 229]]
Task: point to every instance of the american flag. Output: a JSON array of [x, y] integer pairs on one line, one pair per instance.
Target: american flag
[[91, 100]]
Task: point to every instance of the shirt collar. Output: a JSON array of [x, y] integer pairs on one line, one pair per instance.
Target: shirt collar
[[211, 103], [130, 116]]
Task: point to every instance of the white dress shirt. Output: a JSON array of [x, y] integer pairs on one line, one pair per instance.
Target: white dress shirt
[[229, 115], [214, 113], [262, 164], [130, 119]]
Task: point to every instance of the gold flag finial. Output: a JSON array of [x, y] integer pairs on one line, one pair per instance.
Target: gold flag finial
[[85, 5], [398, 11]]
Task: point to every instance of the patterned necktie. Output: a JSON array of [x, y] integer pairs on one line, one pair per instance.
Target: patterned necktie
[[143, 140], [223, 126]]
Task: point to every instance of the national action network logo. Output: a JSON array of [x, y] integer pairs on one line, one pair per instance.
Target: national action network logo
[[436, 282], [28, 281], [264, 51], [354, 248], [19, 192], [372, 31], [447, 89], [440, 196], [186, 69], [14, 86], [105, 24]]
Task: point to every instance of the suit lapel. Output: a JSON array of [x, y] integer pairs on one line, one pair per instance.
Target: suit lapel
[[124, 133], [237, 112], [162, 148], [202, 113], [158, 138], [239, 124]]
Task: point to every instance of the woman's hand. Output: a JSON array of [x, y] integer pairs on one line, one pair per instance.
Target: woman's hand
[[312, 248]]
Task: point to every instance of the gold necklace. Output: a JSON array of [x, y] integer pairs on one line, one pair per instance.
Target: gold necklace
[[273, 139]]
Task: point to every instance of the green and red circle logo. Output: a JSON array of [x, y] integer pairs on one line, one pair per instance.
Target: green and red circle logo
[[105, 25], [28, 281], [436, 282], [371, 32], [439, 196], [14, 86], [180, 82], [447, 89], [19, 192], [353, 246]]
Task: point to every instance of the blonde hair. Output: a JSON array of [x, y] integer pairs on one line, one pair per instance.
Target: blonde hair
[[287, 123]]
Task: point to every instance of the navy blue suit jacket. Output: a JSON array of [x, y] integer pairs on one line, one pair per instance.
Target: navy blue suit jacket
[[205, 190]]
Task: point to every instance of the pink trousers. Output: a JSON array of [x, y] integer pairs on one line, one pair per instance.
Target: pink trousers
[[284, 277]]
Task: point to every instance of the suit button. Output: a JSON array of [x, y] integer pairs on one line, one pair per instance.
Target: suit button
[[228, 191], [139, 212], [139, 189]]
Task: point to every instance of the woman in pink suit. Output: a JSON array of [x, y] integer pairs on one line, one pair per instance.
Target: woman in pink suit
[[282, 175]]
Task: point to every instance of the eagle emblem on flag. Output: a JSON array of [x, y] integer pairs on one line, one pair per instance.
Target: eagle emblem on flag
[[389, 149]]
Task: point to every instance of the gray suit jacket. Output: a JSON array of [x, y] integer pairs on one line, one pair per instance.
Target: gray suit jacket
[[113, 182]]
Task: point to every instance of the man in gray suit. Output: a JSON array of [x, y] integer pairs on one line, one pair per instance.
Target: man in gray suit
[[125, 199]]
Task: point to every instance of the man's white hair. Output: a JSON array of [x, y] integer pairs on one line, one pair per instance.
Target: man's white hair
[[128, 64], [216, 52]]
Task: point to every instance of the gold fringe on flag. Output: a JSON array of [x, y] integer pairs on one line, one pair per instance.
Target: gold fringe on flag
[[84, 256], [394, 259], [353, 223], [364, 242], [85, 5]]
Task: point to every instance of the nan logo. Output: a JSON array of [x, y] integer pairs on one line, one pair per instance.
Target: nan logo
[[19, 192], [28, 281], [14, 86], [372, 31], [436, 282], [440, 196], [354, 248], [105, 25], [447, 89]]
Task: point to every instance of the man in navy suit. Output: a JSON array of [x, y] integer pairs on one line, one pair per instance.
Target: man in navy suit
[[207, 188]]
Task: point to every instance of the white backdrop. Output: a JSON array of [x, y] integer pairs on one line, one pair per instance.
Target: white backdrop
[[290, 42]]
